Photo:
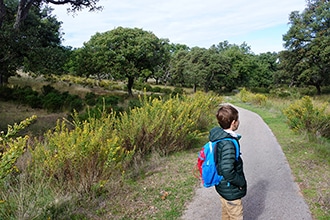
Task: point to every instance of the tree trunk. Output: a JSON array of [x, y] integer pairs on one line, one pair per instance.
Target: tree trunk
[[2, 12], [22, 11], [130, 85], [318, 88], [195, 87], [3, 79]]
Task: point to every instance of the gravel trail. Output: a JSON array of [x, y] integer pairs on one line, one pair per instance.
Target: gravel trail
[[272, 192]]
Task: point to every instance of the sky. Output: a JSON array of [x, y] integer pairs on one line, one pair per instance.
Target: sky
[[259, 23]]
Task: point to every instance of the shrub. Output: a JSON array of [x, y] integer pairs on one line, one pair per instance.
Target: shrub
[[133, 103], [109, 100], [34, 101], [20, 94], [177, 91], [246, 96], [156, 89], [166, 126], [53, 101], [73, 103], [142, 86], [48, 89], [90, 98], [83, 156], [302, 115]]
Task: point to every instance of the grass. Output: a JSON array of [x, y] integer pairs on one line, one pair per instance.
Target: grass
[[160, 192], [15, 113], [309, 157]]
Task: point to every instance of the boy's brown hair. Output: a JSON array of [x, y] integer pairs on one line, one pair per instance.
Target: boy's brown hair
[[226, 115]]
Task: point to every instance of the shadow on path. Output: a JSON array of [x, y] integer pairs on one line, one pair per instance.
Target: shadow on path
[[254, 201]]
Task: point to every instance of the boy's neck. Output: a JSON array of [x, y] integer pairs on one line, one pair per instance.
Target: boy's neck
[[231, 132]]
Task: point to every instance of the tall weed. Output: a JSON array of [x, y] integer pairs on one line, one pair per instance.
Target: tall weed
[[12, 147], [166, 126], [83, 156]]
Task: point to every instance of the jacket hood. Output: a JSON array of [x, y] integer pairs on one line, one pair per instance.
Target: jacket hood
[[217, 133]]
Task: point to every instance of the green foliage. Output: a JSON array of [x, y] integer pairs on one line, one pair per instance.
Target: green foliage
[[55, 101], [306, 61], [50, 99], [122, 53], [35, 46], [303, 115], [98, 105], [11, 147], [142, 86], [223, 67], [90, 98]]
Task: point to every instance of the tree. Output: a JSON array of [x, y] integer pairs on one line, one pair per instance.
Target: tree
[[307, 58], [178, 65], [262, 69], [39, 38], [24, 6], [240, 66], [124, 53]]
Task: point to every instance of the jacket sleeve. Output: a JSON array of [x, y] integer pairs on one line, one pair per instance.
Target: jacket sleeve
[[228, 167]]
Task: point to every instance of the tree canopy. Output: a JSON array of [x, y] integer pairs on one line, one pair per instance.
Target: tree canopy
[[35, 47], [24, 6], [125, 53], [307, 58]]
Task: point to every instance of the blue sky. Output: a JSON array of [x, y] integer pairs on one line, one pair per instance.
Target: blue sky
[[258, 23]]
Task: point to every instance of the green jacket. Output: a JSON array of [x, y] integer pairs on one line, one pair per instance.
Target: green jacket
[[233, 184]]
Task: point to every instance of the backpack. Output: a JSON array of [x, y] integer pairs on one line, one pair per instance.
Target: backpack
[[206, 162]]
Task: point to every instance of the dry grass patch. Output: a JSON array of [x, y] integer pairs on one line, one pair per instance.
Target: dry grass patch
[[160, 191], [11, 113]]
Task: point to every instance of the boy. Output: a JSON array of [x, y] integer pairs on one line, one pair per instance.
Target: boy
[[233, 185]]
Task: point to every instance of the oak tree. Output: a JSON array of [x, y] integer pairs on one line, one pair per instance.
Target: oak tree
[[125, 53], [307, 58]]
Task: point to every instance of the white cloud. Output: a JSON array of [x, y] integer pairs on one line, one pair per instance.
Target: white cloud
[[194, 23]]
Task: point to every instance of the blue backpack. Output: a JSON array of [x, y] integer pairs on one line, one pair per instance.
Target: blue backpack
[[207, 165]]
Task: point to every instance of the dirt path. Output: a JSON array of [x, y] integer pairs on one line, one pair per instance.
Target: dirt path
[[272, 192]]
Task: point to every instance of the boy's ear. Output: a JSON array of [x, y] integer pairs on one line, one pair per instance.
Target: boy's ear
[[232, 124]]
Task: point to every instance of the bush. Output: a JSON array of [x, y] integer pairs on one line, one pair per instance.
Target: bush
[[83, 156], [34, 101], [246, 96], [53, 101], [48, 89], [142, 86], [20, 94], [156, 89], [304, 116], [73, 103], [177, 91], [90, 98], [166, 126]]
